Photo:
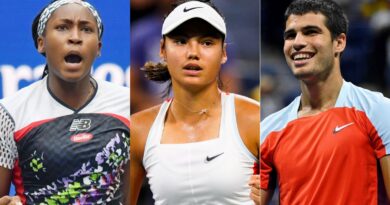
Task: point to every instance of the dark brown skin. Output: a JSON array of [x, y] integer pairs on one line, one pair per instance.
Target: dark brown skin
[[5, 179], [71, 29]]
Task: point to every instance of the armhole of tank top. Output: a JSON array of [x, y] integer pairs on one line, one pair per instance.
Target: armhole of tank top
[[231, 108], [155, 128]]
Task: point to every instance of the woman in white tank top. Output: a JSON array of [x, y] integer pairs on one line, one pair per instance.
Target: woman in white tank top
[[202, 145]]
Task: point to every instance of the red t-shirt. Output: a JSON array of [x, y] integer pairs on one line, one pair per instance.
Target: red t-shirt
[[331, 157]]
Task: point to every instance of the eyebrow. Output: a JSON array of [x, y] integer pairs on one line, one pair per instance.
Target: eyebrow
[[309, 27], [82, 22]]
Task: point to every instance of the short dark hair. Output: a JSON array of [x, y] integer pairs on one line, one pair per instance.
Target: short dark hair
[[336, 20]]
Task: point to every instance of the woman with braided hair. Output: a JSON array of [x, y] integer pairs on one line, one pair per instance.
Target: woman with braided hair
[[65, 138], [202, 145]]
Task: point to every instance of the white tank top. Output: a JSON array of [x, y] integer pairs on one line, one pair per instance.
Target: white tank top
[[214, 172]]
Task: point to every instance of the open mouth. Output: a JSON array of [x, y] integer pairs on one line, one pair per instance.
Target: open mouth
[[73, 58], [192, 67], [301, 56]]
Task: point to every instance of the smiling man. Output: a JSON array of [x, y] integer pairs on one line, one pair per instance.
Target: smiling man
[[331, 145]]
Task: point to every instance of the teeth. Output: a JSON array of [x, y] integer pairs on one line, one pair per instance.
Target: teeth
[[301, 56]]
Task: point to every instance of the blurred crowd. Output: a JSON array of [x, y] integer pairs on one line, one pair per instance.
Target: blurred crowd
[[239, 75]]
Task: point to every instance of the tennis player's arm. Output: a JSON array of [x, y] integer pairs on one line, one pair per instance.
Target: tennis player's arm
[[8, 151], [5, 181], [137, 171], [140, 126], [385, 165]]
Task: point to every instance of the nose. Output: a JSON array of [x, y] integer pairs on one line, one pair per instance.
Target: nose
[[193, 50], [299, 42], [75, 37]]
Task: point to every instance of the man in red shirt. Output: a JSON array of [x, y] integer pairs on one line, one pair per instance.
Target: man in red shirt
[[331, 145]]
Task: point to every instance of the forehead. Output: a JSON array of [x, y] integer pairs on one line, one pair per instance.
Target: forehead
[[297, 22], [73, 12], [196, 27]]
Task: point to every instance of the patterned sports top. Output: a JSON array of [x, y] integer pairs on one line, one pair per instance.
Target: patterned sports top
[[63, 156]]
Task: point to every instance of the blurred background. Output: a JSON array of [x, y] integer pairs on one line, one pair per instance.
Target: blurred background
[[21, 64], [365, 62], [239, 75]]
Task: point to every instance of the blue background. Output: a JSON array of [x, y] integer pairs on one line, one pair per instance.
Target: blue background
[[17, 47]]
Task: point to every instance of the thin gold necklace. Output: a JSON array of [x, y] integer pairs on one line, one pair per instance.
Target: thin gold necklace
[[203, 111]]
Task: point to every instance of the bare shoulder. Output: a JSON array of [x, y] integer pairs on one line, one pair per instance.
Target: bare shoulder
[[247, 108], [141, 123], [144, 118], [248, 122]]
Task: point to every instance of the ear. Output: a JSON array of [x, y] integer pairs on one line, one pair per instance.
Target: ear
[[99, 53], [224, 54], [340, 43], [163, 54], [41, 45]]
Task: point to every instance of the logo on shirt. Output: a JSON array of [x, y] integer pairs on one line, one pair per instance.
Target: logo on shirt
[[82, 137], [208, 159], [338, 129], [80, 125]]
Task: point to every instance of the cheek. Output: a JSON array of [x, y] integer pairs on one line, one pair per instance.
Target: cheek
[[286, 49], [174, 55]]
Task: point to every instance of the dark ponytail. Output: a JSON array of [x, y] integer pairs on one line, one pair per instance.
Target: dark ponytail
[[158, 72]]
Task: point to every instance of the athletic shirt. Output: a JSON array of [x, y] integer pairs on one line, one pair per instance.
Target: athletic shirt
[[215, 171], [63, 156], [331, 157]]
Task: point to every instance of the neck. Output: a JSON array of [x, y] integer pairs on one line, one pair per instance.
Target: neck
[[187, 104], [322, 94], [73, 94]]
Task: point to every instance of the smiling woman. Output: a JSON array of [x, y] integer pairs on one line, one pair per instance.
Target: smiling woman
[[65, 138]]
